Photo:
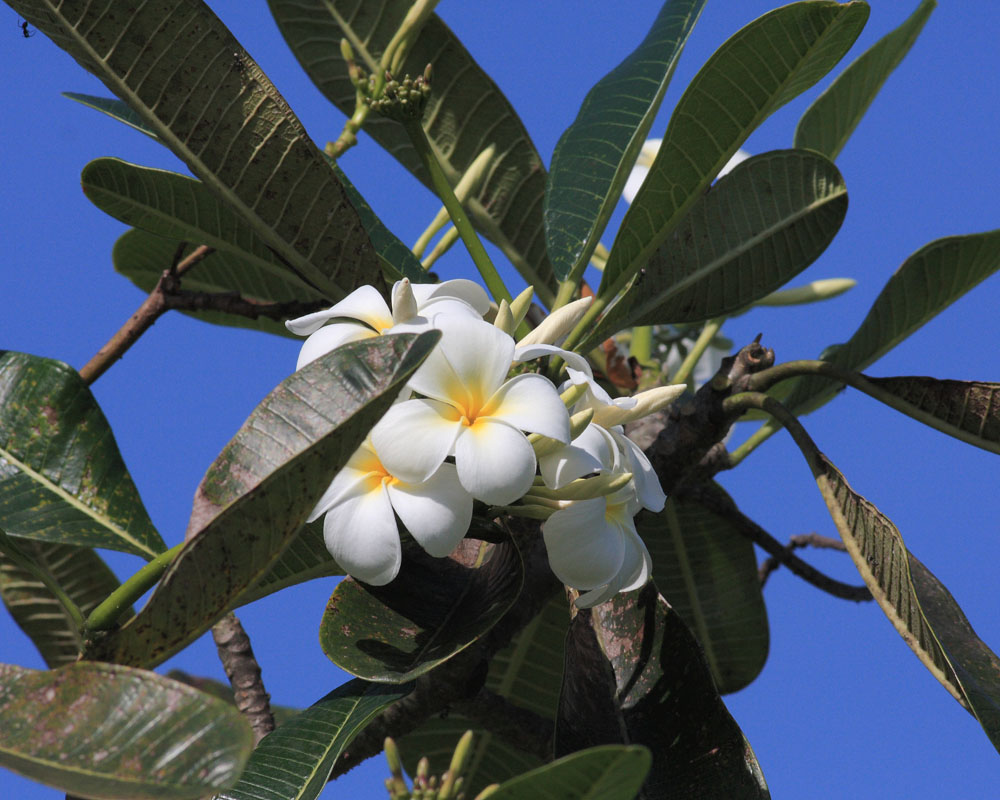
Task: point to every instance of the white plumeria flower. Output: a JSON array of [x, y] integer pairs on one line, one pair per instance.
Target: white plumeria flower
[[469, 410], [361, 505], [593, 546], [365, 313], [645, 160]]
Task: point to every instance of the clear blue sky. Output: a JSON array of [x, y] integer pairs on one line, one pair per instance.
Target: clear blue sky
[[842, 709]]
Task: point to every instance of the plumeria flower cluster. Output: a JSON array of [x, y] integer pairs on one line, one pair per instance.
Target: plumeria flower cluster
[[475, 422]]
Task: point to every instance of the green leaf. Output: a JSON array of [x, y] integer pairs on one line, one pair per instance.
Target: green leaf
[[80, 572], [142, 257], [612, 772], [108, 731], [255, 497], [707, 571], [507, 208], [831, 119], [183, 209], [592, 160], [928, 282], [192, 83], [115, 109], [294, 761], [379, 633], [755, 72], [62, 478], [918, 605], [755, 230], [634, 672]]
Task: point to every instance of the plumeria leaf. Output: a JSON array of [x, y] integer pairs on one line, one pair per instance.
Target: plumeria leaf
[[142, 257], [967, 410], [79, 571], [634, 671], [507, 207], [294, 761], [708, 573], [928, 282], [528, 672], [183, 209], [108, 731], [215, 109], [592, 160], [115, 109], [62, 478], [917, 604], [379, 633], [829, 122], [755, 72], [255, 497], [753, 231], [611, 772]]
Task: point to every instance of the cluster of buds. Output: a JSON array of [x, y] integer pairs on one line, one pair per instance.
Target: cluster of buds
[[403, 100], [425, 785]]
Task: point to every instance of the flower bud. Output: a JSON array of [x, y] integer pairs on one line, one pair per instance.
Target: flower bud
[[520, 305], [646, 403], [404, 304], [810, 293], [504, 320], [582, 488], [558, 324]]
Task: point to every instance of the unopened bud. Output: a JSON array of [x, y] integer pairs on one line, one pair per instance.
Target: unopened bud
[[520, 305], [404, 304], [558, 324], [810, 293], [504, 320], [582, 488], [572, 395], [646, 403]]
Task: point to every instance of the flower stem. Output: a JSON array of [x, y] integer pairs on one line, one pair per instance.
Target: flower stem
[[641, 346], [107, 614], [764, 402], [18, 556], [700, 346]]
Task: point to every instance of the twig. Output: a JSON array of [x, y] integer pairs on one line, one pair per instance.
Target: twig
[[234, 303], [243, 672], [772, 563]]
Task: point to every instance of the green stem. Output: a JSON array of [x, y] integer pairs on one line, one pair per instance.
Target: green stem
[[106, 615], [567, 289], [700, 346], [21, 559], [641, 346], [745, 400], [458, 216]]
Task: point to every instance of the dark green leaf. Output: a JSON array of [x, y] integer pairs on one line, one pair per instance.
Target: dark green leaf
[[115, 109], [928, 282], [756, 229], [592, 160], [79, 571], [612, 772], [108, 731], [294, 761], [634, 671], [256, 496], [142, 257], [917, 604], [708, 573], [755, 72], [829, 122], [192, 83], [432, 610], [62, 478], [507, 208]]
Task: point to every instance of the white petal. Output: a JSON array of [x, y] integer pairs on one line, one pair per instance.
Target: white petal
[[637, 565], [349, 482], [414, 438], [739, 157], [597, 596], [531, 403], [584, 550], [330, 338], [467, 291], [647, 484], [362, 537], [496, 464], [576, 365], [437, 512], [634, 182], [364, 303], [591, 451]]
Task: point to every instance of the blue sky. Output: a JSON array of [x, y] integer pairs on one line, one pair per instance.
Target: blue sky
[[842, 708]]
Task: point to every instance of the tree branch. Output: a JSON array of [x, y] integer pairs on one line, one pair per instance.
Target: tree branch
[[243, 672], [772, 563]]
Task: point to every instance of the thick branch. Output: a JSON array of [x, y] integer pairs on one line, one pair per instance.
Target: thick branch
[[243, 672], [233, 303], [772, 563]]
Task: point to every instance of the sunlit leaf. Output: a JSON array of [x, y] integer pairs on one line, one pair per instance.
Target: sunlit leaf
[[62, 478], [191, 82], [600, 773], [634, 672], [829, 122], [592, 160], [752, 232], [108, 731], [707, 571], [294, 761], [918, 605], [507, 208], [755, 72], [115, 109], [381, 634], [255, 497], [79, 571]]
